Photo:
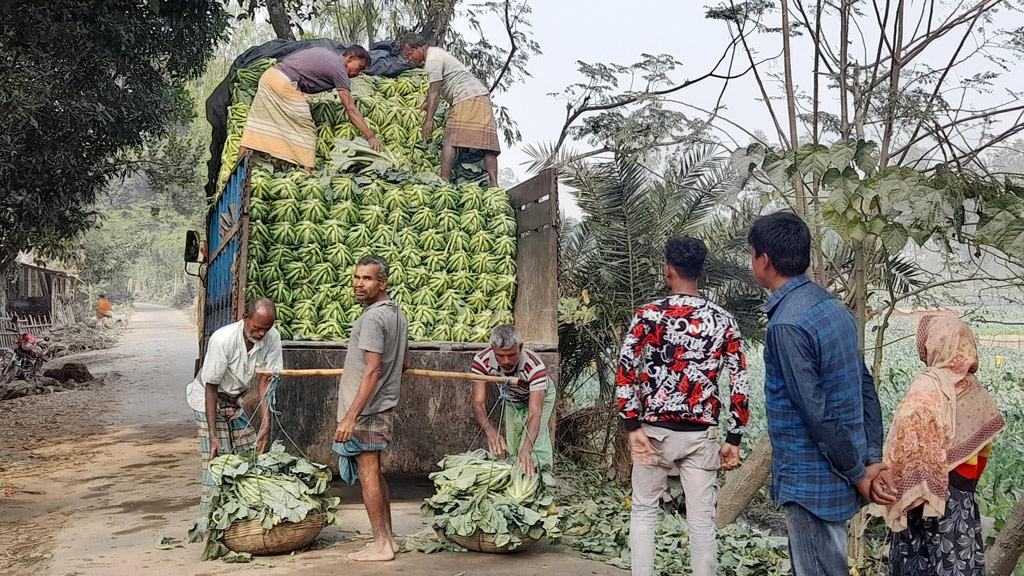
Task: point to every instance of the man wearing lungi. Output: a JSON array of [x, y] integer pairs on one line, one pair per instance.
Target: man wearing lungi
[[470, 122], [280, 122], [527, 406], [367, 396], [233, 355]]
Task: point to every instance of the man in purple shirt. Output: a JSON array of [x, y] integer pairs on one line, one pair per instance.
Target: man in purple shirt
[[280, 123]]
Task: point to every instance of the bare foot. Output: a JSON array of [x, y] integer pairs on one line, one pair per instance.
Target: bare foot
[[373, 554], [394, 546]]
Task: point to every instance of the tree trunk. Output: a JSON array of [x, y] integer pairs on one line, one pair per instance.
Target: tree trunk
[[741, 487], [437, 17], [279, 19], [787, 60], [622, 461], [1001, 558], [370, 20]]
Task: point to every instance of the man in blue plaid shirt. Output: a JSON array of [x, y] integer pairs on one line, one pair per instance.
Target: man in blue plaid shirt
[[824, 418]]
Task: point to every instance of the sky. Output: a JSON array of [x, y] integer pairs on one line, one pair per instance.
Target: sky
[[618, 32]]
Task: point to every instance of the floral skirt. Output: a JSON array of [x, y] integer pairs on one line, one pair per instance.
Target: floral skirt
[[947, 546]]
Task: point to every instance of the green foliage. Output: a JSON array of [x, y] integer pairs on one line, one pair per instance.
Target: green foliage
[[595, 522], [136, 251], [475, 493], [616, 253], [271, 488], [87, 82]]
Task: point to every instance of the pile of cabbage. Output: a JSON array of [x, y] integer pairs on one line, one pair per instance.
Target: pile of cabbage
[[271, 488], [451, 247], [475, 493]]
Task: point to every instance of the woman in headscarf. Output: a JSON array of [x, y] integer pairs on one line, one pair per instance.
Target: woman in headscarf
[[938, 446]]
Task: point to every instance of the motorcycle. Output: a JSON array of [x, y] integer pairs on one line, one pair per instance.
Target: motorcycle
[[23, 360]]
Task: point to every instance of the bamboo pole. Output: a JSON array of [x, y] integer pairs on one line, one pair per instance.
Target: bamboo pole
[[334, 372]]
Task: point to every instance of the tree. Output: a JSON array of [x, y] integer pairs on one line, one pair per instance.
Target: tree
[[1002, 557], [87, 82]]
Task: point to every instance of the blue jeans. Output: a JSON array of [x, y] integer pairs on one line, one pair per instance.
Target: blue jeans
[[816, 547]]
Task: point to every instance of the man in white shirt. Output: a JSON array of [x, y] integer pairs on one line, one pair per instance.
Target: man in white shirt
[[470, 123], [233, 355]]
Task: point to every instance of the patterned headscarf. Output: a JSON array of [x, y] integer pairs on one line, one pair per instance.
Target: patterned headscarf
[[945, 419]]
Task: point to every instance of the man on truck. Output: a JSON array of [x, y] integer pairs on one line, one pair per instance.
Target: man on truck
[[233, 355], [280, 123], [367, 395], [470, 123], [527, 405]]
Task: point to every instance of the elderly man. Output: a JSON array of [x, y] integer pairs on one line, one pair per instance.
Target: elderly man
[[470, 122], [233, 355], [367, 396], [528, 404], [280, 122]]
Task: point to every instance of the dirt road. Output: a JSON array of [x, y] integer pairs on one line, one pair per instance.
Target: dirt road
[[91, 479]]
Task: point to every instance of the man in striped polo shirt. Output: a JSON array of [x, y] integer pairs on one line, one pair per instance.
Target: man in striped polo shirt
[[527, 405]]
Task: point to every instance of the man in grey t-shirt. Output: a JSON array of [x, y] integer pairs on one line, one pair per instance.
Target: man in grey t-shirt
[[367, 395]]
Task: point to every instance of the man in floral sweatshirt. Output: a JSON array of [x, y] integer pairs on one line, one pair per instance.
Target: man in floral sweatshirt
[[667, 390]]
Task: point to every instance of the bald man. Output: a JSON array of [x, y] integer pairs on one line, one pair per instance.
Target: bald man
[[233, 355]]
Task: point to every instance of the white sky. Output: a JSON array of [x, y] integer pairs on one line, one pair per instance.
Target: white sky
[[618, 32]]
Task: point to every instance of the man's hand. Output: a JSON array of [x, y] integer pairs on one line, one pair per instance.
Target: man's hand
[[640, 447], [427, 131], [883, 488], [214, 448], [525, 461], [375, 143], [345, 429], [864, 486], [496, 444], [730, 456]]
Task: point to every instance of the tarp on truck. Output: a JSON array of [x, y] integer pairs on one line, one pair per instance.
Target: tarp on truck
[[385, 60]]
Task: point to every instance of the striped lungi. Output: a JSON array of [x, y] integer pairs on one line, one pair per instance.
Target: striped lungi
[[235, 436], [279, 121], [470, 124]]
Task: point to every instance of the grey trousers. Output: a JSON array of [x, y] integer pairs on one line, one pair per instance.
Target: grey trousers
[[816, 547], [696, 456]]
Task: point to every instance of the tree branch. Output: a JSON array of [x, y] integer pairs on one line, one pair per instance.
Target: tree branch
[[510, 29], [574, 112]]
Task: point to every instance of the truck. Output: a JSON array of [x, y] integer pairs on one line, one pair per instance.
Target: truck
[[434, 417]]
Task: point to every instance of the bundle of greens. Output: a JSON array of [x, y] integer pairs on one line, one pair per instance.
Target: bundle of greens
[[274, 487], [474, 493]]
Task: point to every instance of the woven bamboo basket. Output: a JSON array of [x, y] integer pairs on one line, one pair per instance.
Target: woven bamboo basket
[[480, 542], [249, 536]]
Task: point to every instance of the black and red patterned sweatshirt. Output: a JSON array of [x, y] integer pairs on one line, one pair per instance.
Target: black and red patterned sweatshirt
[[670, 364]]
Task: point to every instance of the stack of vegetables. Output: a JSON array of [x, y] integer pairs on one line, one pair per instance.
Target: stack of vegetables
[[274, 487], [451, 248], [475, 493]]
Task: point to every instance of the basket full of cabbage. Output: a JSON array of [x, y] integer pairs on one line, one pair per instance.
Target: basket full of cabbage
[[267, 504], [490, 505]]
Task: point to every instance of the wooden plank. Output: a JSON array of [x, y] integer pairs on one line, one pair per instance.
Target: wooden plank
[[534, 217], [534, 189], [448, 375], [242, 258]]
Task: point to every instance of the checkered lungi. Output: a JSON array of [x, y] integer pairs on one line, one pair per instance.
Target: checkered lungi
[[470, 124], [235, 436]]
